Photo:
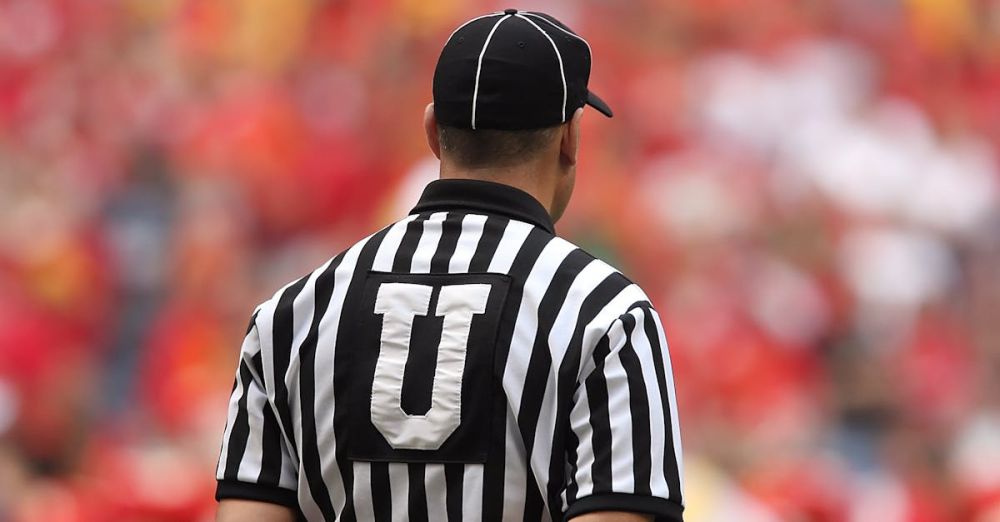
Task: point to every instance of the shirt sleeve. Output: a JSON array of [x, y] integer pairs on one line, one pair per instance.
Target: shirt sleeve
[[624, 445], [255, 462]]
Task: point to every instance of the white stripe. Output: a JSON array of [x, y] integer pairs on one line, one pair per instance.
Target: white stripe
[[562, 330], [510, 244], [265, 325], [234, 405], [472, 232], [472, 492], [515, 475], [565, 322], [399, 489], [620, 419], [479, 67], [289, 473], [579, 421], [253, 457], [429, 238], [675, 424], [364, 509], [250, 347], [657, 439], [526, 324], [574, 35], [599, 325], [303, 308], [525, 329], [583, 285], [325, 402], [562, 73], [287, 477], [390, 243], [436, 488], [469, 22]]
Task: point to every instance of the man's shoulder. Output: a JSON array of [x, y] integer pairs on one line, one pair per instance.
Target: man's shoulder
[[323, 278], [610, 291], [590, 261]]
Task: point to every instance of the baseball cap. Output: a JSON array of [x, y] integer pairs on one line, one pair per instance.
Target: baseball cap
[[513, 70]]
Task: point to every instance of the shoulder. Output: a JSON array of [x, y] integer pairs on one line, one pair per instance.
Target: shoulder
[[293, 304], [610, 293]]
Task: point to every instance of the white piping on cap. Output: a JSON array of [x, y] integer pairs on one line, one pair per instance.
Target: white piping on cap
[[562, 73], [479, 67], [469, 22], [574, 35]]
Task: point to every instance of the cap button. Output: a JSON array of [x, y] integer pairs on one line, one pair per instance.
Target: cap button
[[509, 11]]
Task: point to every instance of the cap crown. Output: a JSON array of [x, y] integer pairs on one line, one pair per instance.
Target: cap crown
[[511, 71]]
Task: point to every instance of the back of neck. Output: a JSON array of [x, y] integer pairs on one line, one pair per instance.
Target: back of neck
[[527, 177]]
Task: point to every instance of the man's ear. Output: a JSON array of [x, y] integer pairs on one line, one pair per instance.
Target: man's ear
[[431, 129], [570, 144]]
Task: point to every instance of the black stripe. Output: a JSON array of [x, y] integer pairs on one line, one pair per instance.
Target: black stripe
[[493, 229], [540, 364], [240, 433], [569, 368], [311, 463], [270, 461], [257, 366], [417, 500], [524, 261], [572, 458], [270, 465], [659, 354], [454, 477], [541, 361], [408, 246], [282, 334], [534, 504], [601, 350], [451, 230], [342, 366], [600, 425], [639, 409], [662, 509], [381, 491]]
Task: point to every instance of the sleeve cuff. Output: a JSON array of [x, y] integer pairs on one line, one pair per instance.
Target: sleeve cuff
[[662, 509], [248, 491]]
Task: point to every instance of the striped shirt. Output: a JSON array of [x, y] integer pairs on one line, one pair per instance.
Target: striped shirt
[[463, 363]]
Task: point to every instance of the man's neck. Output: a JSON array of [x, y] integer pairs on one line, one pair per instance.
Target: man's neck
[[525, 177]]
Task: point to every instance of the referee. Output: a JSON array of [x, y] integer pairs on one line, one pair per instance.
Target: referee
[[465, 363]]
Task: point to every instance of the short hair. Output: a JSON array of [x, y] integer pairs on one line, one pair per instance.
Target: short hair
[[492, 148]]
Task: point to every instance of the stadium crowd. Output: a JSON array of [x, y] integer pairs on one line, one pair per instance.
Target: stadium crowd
[[809, 189]]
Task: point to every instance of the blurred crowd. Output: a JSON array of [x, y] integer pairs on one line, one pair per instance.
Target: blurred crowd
[[808, 189]]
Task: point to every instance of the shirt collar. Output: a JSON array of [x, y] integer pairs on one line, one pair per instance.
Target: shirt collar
[[485, 196]]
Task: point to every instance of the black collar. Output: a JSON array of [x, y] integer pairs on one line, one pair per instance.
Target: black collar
[[484, 196]]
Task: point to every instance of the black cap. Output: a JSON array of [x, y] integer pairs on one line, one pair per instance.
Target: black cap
[[513, 70]]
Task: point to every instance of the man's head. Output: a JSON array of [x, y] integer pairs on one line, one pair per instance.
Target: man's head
[[509, 92], [541, 162]]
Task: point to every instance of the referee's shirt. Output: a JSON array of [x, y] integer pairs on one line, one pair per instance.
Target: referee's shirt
[[462, 364]]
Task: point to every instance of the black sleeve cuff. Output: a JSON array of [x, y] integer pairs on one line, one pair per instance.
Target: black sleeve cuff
[[662, 509], [258, 492]]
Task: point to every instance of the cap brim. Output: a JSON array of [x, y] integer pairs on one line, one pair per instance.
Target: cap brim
[[596, 102]]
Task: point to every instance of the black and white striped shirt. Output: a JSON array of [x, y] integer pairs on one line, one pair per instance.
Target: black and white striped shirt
[[463, 363]]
